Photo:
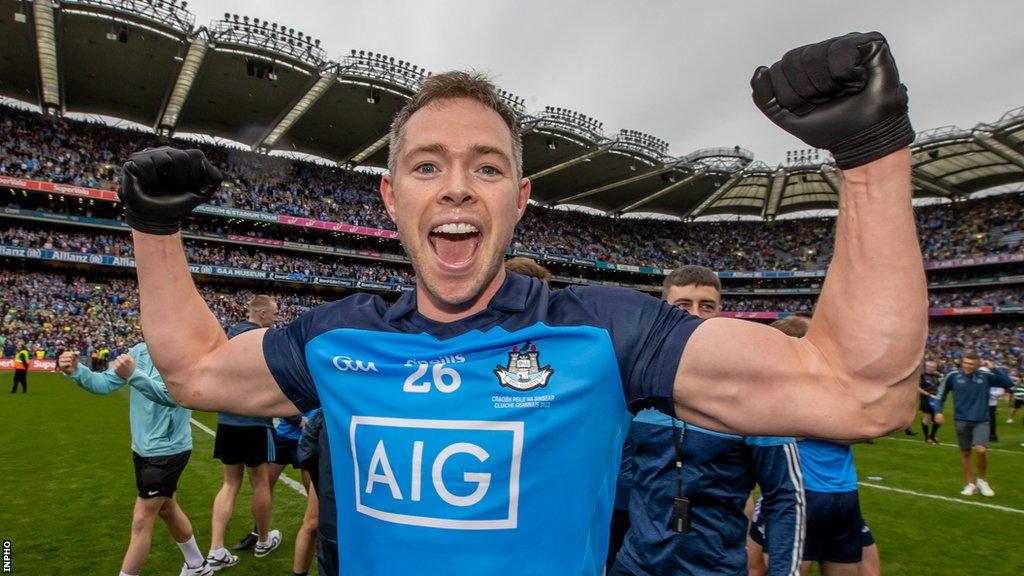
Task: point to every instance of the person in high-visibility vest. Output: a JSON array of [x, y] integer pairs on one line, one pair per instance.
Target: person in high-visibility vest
[[21, 359]]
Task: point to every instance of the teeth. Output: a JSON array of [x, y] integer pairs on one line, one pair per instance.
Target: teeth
[[455, 228]]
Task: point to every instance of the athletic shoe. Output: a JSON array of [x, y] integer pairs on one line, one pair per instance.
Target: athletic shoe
[[204, 570], [247, 543], [984, 488], [264, 548], [969, 490], [910, 432], [221, 561]]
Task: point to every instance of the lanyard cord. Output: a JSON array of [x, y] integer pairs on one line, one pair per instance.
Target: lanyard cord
[[677, 441]]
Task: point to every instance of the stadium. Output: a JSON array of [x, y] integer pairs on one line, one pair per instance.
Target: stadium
[[302, 139]]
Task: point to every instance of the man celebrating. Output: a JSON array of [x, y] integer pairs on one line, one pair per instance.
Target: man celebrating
[[714, 473], [161, 446], [463, 415], [970, 388]]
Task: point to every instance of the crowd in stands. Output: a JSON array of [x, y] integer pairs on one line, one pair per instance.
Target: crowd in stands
[[369, 271], [88, 154], [1001, 342], [54, 312], [51, 311], [216, 255], [981, 296]]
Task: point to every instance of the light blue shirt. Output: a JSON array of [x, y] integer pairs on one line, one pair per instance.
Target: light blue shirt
[[159, 426]]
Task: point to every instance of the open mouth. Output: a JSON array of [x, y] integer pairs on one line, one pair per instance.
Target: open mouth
[[455, 244]]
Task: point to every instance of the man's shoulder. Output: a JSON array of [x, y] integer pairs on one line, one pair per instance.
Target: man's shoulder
[[358, 311]]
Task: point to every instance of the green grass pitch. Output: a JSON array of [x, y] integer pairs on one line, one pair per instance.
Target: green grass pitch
[[67, 489]]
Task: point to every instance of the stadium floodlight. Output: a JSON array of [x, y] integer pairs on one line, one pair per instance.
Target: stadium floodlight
[[303, 105], [183, 85], [46, 50]]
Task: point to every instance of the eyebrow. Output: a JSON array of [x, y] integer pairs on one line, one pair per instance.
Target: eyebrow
[[477, 149]]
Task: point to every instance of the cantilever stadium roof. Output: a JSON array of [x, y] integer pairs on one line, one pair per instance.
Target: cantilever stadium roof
[[271, 87]]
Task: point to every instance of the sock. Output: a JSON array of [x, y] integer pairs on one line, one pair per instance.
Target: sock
[[218, 553], [924, 429], [299, 573], [190, 550], [935, 428], [123, 573]]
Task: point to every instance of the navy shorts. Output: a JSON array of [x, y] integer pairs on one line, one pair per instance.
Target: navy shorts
[[249, 445], [835, 528], [757, 529]]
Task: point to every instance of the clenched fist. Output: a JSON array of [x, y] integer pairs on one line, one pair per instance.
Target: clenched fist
[[160, 186], [124, 366], [843, 95], [68, 362]]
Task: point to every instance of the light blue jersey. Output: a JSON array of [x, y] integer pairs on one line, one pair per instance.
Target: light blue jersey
[[488, 446], [159, 426], [827, 466]]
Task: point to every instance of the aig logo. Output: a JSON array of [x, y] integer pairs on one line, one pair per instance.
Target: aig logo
[[455, 474], [345, 364]]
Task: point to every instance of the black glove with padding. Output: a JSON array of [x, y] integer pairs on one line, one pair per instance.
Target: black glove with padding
[[843, 95], [160, 186]]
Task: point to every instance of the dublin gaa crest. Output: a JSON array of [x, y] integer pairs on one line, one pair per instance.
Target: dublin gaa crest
[[523, 372]]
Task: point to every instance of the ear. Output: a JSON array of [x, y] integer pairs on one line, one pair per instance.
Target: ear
[[387, 194], [522, 200]]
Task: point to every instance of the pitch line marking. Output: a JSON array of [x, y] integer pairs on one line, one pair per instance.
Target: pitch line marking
[[951, 445], [298, 487], [943, 498]]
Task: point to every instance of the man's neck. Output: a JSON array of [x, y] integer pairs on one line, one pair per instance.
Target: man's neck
[[438, 311]]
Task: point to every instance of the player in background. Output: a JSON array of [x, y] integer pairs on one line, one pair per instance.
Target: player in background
[[1018, 400], [837, 537], [930, 403], [679, 469], [161, 446], [424, 371], [245, 444], [995, 393], [970, 388]]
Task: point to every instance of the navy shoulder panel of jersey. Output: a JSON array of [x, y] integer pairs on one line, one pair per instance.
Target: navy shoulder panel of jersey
[[245, 326], [284, 349], [649, 336]]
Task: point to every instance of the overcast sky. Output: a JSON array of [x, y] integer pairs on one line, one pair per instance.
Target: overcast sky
[[677, 70]]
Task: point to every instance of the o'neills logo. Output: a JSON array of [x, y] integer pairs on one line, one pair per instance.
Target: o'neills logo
[[344, 364], [523, 372]]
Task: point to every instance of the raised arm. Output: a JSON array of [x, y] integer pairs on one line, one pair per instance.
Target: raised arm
[[201, 368], [855, 374]]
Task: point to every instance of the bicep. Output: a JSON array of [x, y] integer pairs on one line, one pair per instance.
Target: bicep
[[235, 378], [748, 378]]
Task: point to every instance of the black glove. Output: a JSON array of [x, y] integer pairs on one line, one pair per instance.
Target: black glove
[[160, 186], [843, 95]]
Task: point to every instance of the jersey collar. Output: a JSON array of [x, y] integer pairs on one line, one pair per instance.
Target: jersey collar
[[511, 297]]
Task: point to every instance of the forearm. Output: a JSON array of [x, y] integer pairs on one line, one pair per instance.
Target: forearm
[[98, 383], [176, 322], [871, 320]]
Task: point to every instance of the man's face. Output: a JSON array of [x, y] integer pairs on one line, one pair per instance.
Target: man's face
[[970, 365], [456, 200], [702, 301], [930, 367]]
